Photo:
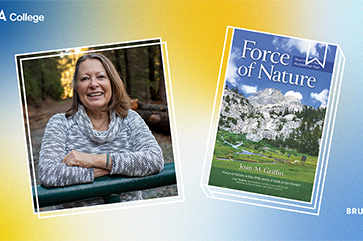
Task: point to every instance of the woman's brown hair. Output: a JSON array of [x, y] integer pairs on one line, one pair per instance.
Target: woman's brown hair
[[120, 101]]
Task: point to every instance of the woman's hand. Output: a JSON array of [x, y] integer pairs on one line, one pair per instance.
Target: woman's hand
[[76, 158]]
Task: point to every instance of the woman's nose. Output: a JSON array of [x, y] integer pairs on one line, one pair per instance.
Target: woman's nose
[[94, 83]]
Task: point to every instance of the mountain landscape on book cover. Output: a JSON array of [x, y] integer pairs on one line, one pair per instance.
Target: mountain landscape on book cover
[[272, 115]]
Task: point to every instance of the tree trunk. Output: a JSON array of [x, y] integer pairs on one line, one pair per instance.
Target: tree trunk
[[42, 82], [118, 62], [128, 71], [162, 91], [151, 54]]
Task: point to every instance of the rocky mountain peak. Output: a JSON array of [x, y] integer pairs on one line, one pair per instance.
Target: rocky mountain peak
[[271, 96]]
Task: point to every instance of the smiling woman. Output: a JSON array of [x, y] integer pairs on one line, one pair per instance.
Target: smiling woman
[[93, 86], [99, 135]]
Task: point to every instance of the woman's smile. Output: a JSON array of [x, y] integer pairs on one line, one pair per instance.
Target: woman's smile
[[95, 95]]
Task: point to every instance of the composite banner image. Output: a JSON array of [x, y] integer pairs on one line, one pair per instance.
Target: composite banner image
[[181, 120]]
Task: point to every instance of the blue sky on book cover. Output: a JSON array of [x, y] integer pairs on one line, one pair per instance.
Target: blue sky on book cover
[[260, 60]]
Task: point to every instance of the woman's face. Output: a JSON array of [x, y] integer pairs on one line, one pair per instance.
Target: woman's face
[[93, 85]]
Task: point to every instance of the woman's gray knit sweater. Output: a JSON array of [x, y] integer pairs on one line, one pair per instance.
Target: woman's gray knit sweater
[[132, 148]]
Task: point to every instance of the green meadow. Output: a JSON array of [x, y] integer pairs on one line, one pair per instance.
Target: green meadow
[[266, 169]]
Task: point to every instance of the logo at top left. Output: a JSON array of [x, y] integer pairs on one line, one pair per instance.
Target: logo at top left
[[23, 17]]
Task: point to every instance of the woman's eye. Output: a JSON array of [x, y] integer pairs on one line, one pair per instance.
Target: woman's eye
[[101, 76], [84, 78]]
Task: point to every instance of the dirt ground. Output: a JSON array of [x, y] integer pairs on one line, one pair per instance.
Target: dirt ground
[[38, 118]]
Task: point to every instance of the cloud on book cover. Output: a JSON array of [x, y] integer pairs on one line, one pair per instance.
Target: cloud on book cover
[[232, 75], [247, 89], [297, 95], [322, 97]]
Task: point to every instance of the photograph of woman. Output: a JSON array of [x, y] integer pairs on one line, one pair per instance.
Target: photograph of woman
[[99, 135]]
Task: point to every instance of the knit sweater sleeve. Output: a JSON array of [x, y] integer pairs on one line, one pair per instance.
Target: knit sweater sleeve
[[52, 171], [146, 156]]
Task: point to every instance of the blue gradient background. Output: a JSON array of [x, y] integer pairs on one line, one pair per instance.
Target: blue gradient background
[[194, 32]]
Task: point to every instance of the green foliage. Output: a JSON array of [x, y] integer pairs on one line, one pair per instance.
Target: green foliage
[[286, 112], [304, 139], [235, 90], [222, 121], [234, 101], [233, 120], [142, 71], [42, 80], [309, 139], [311, 115], [251, 115], [274, 113], [227, 99], [243, 115], [280, 127], [225, 121]]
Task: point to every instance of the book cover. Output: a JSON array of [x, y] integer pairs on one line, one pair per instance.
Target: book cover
[[277, 101]]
